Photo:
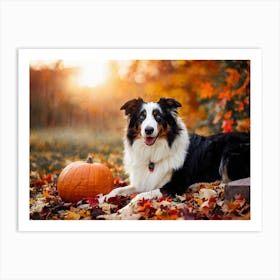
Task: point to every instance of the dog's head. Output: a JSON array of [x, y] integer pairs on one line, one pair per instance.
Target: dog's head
[[152, 120]]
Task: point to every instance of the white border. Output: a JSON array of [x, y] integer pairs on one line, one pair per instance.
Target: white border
[[24, 58]]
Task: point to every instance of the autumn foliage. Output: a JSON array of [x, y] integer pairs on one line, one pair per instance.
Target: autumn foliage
[[68, 121], [215, 94]]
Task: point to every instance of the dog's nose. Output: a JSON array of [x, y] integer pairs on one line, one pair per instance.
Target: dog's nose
[[149, 130]]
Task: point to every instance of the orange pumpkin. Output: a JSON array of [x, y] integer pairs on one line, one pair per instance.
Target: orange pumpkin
[[82, 179]]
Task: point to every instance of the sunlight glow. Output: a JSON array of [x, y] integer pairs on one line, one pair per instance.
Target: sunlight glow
[[92, 73]]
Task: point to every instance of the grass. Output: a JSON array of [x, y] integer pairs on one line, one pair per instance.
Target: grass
[[56, 139], [52, 149]]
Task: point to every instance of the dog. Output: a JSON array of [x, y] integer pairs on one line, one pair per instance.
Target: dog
[[161, 157]]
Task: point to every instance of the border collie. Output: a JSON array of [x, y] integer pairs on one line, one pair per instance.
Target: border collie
[[162, 159]]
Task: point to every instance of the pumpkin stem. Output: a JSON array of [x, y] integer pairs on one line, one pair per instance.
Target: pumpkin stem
[[89, 159]]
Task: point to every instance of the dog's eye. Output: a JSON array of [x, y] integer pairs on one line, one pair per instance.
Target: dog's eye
[[142, 116], [157, 116]]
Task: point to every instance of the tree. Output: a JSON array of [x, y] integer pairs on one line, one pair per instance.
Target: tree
[[215, 94]]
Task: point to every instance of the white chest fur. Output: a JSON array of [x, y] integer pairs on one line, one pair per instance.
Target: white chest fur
[[138, 156]]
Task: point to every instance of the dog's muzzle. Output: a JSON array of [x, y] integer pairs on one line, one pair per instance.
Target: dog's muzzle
[[149, 138]]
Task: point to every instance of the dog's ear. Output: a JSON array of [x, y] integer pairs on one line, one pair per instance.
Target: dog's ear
[[131, 105], [169, 103]]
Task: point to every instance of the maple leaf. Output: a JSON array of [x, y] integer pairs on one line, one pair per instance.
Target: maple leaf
[[243, 125], [233, 76], [92, 201], [48, 178], [46, 194], [144, 205], [164, 198], [38, 183], [225, 94], [207, 90], [212, 202], [204, 208], [240, 105], [228, 115], [173, 212], [227, 125], [119, 200], [246, 101], [72, 215]]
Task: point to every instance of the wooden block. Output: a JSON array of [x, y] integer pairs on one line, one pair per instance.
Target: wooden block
[[241, 186]]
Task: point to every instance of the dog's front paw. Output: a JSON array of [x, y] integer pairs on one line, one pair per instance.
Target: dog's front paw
[[147, 196], [101, 198], [104, 198], [128, 190]]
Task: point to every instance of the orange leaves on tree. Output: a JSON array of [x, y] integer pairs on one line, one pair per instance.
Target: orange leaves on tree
[[233, 102], [240, 106], [225, 94], [233, 77], [227, 122], [228, 115], [227, 125], [196, 84], [222, 103], [244, 87], [243, 125], [203, 130], [206, 90], [246, 101]]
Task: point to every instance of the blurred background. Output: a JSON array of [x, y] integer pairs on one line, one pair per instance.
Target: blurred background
[[75, 105]]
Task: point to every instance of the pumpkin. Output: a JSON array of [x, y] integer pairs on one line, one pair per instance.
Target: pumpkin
[[81, 179]]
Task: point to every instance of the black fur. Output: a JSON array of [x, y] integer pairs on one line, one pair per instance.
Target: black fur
[[207, 159], [132, 110], [174, 130], [169, 106], [204, 157]]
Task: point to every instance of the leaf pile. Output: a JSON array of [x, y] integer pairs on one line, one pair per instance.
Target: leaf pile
[[202, 201]]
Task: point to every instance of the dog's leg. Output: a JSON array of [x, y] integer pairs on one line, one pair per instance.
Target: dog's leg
[[126, 213], [147, 195], [127, 190]]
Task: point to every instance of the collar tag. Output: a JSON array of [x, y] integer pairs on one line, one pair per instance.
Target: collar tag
[[151, 166]]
